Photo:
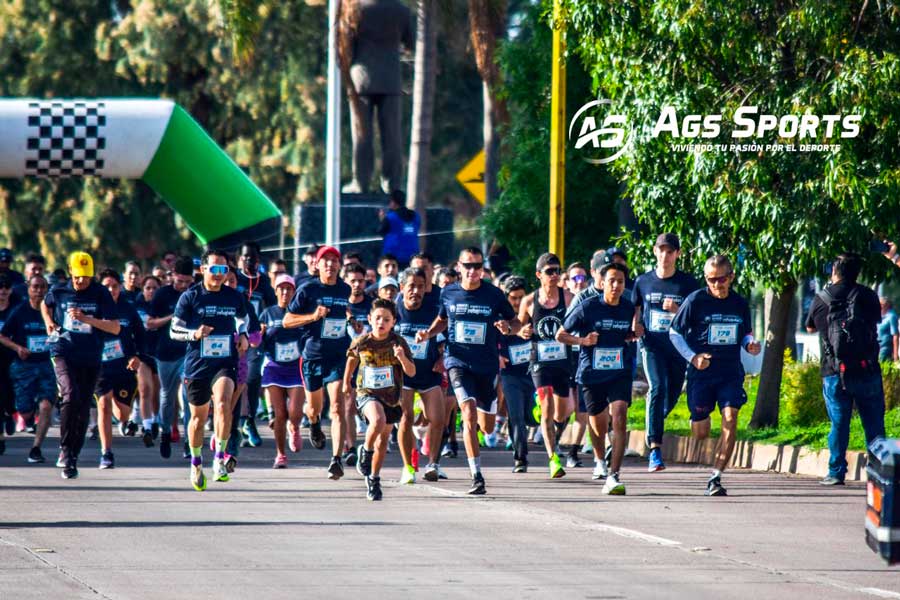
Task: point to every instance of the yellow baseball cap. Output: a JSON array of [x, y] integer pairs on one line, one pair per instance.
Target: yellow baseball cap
[[81, 264]]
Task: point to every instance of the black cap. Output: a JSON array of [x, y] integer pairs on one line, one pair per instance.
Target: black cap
[[313, 249], [545, 259], [616, 251], [668, 239], [599, 260], [6, 255]]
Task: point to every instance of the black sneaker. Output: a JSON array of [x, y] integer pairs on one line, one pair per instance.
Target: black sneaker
[[832, 480], [714, 487], [373, 488], [230, 463], [335, 469], [147, 438], [520, 466], [349, 458], [363, 462], [131, 429], [108, 461], [454, 449], [94, 434], [9, 425], [154, 430], [186, 453], [70, 471], [35, 456], [477, 488], [165, 445], [123, 428], [316, 435]]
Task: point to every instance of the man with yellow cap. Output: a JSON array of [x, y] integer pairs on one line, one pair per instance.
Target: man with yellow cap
[[77, 315]]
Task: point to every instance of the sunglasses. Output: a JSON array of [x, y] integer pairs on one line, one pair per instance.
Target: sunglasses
[[473, 266], [579, 278], [552, 271], [218, 269], [721, 279]]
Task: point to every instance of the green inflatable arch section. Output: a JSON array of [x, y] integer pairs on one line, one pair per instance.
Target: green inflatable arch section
[[153, 140]]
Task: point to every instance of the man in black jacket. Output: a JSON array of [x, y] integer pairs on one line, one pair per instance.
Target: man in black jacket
[[848, 383]]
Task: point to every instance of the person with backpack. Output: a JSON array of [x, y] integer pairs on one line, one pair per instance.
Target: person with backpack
[[846, 315]]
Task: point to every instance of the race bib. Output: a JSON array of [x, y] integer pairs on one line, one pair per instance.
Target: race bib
[[607, 359], [38, 344], [660, 321], [723, 334], [75, 326], [333, 329], [376, 378], [469, 332], [215, 346], [418, 351], [519, 354], [548, 351], [112, 350], [286, 352]]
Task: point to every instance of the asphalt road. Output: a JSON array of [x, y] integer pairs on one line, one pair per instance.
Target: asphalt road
[[140, 531]]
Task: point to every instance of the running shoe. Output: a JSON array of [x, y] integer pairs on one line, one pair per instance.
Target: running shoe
[[556, 469], [441, 474], [94, 433], [363, 462], [520, 466], [123, 428], [304, 422], [131, 429], [186, 451], [147, 438], [478, 488], [230, 463], [108, 461], [335, 468], [714, 487], [454, 449], [154, 430], [349, 458], [509, 444], [832, 480], [490, 440], [316, 435], [176, 435], [251, 433], [10, 425], [607, 455], [70, 471], [198, 479], [588, 447], [61, 459], [431, 473], [31, 427], [220, 471], [613, 487], [656, 461], [295, 440], [373, 488], [446, 452], [601, 470], [407, 475], [165, 445], [572, 461], [280, 462], [35, 456]]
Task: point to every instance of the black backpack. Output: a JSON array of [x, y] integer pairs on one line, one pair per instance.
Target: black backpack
[[849, 340]]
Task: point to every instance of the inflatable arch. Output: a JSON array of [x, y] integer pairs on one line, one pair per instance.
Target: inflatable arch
[[153, 140]]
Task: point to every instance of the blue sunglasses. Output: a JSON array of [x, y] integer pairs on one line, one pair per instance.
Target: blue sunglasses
[[218, 269]]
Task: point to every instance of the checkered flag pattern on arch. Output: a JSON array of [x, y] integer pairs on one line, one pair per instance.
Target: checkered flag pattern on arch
[[65, 139]]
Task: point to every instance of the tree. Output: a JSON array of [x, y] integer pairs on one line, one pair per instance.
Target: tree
[[520, 217], [780, 214]]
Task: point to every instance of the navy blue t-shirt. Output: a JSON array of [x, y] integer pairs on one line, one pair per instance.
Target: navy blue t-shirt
[[472, 339], [611, 357], [424, 355], [199, 306], [648, 294], [716, 327], [325, 339], [79, 343], [25, 326], [7, 355], [280, 345], [257, 290], [360, 312], [118, 349], [163, 304]]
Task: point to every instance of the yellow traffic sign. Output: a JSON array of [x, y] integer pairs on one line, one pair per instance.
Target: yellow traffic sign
[[471, 177]]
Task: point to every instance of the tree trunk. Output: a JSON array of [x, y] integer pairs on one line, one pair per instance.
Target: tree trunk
[[765, 413], [491, 146], [423, 110]]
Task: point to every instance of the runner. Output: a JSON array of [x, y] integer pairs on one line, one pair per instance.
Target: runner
[[31, 372], [76, 318], [543, 312], [324, 299], [117, 383], [656, 297], [7, 393], [383, 358], [576, 281], [518, 387], [170, 353], [414, 315], [387, 267], [388, 288], [359, 306], [281, 372], [131, 279], [709, 330], [472, 311], [35, 264], [601, 326], [312, 271], [148, 372], [207, 316]]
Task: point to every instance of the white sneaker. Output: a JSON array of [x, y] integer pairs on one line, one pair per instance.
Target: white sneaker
[[490, 440], [220, 471], [407, 476], [588, 448], [441, 474], [613, 487], [600, 470], [431, 473]]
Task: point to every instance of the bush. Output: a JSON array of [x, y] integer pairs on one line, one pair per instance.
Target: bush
[[801, 393], [890, 375]]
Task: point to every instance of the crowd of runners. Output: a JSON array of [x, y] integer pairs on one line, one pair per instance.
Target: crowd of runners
[[407, 359]]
